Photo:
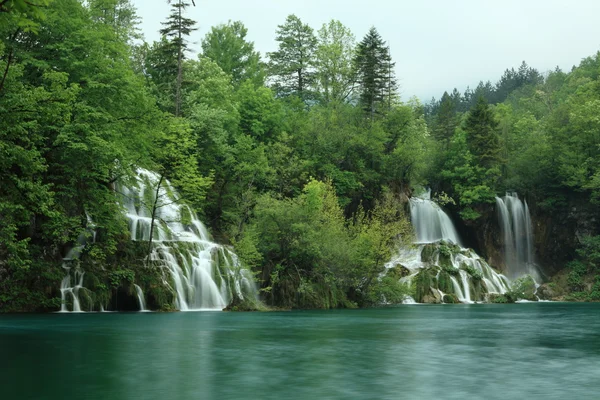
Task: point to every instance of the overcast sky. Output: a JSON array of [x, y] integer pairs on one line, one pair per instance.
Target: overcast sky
[[437, 44]]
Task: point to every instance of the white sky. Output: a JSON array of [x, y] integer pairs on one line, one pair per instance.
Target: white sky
[[437, 44]]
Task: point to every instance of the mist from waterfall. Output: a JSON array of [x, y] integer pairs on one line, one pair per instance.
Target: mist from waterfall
[[431, 223], [517, 235]]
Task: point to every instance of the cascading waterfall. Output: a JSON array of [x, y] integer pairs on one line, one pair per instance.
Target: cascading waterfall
[[74, 272], [140, 296], [203, 274], [517, 234], [438, 255], [67, 289], [431, 223], [464, 269]]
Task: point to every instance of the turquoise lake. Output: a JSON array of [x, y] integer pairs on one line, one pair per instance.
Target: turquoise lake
[[521, 351]]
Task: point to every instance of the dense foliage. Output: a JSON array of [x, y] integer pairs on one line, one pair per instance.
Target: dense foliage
[[302, 160]]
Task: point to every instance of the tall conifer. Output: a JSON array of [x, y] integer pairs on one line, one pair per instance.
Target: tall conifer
[[291, 67], [482, 135], [176, 29], [375, 73]]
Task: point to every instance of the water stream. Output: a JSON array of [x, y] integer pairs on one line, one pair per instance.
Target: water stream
[[140, 296], [431, 223], [517, 234]]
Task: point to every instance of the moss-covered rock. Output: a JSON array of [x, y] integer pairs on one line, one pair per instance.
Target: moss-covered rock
[[428, 253], [523, 288], [424, 281], [431, 299], [450, 298], [478, 290], [398, 271], [497, 298], [550, 291], [444, 282], [247, 304]]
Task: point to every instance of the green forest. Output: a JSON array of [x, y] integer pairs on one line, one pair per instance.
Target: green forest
[[302, 160]]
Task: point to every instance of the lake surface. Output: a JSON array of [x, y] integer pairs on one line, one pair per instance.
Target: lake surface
[[523, 351]]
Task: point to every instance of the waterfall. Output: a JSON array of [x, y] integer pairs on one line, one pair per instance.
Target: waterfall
[[517, 234], [437, 250], [457, 290], [466, 288], [67, 289], [203, 274], [73, 273], [431, 223], [140, 296]]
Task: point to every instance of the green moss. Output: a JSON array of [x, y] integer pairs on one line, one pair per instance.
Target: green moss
[[428, 253], [397, 272], [478, 290], [445, 261], [423, 282], [523, 288], [500, 299], [444, 282], [474, 273], [450, 298], [185, 216]]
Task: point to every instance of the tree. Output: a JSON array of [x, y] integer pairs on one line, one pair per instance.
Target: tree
[[408, 151], [177, 28], [482, 137], [375, 74], [226, 45], [485, 90], [119, 14], [26, 15], [334, 70], [291, 67], [446, 120], [74, 119], [260, 112]]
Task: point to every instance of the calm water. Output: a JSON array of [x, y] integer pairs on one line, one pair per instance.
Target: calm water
[[526, 351]]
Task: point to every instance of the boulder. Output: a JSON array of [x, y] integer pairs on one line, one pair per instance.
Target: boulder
[[450, 299], [431, 299], [549, 291]]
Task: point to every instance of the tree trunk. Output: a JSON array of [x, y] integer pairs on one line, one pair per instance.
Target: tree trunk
[[155, 207], [179, 69]]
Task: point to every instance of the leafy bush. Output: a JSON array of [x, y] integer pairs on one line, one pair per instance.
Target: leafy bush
[[312, 257]]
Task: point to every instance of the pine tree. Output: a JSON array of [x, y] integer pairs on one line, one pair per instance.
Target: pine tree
[[482, 135], [375, 73], [446, 119], [291, 67], [176, 29], [119, 14]]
